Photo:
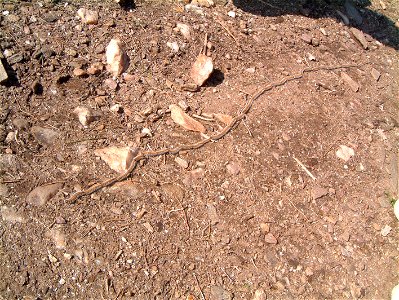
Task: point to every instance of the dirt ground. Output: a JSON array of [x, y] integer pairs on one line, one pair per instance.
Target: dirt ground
[[245, 217]]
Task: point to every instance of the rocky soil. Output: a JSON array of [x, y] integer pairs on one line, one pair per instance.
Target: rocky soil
[[294, 203]]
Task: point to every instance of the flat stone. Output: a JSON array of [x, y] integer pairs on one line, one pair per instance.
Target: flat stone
[[212, 214], [10, 214], [233, 168], [20, 123], [375, 74], [270, 239], [127, 188], [352, 83], [307, 38], [4, 191], [318, 192], [41, 194], [117, 158], [219, 293], [9, 163], [44, 136], [3, 73], [360, 37], [181, 162]]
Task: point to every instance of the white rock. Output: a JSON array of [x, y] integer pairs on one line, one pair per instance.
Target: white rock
[[194, 8], [85, 115], [395, 293], [386, 230], [259, 295], [231, 14], [184, 29], [174, 46], [117, 158], [345, 153], [204, 3], [396, 209], [88, 16], [117, 60]]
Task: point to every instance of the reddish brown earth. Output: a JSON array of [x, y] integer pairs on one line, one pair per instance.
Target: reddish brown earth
[[244, 215]]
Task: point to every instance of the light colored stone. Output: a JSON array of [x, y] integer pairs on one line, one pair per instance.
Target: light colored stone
[[231, 14], [264, 227], [345, 153], [201, 69], [318, 192], [203, 3], [3, 73], [41, 194], [89, 17], [395, 293], [78, 72], [194, 8], [212, 214], [233, 168], [127, 188], [95, 68], [375, 74], [226, 119], [10, 214], [352, 83], [181, 162], [396, 209], [85, 115], [184, 29], [386, 230], [117, 158], [184, 120], [58, 238], [270, 239], [117, 60], [174, 46], [259, 295], [360, 37]]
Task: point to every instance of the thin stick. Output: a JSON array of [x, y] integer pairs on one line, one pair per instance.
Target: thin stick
[[228, 31], [203, 118], [199, 287], [304, 168]]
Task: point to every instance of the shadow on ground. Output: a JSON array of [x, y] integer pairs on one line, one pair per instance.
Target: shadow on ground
[[370, 22]]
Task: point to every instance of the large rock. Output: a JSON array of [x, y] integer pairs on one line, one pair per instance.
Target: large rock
[[10, 214], [3, 73], [44, 136], [41, 194], [117, 59], [201, 69], [117, 158]]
